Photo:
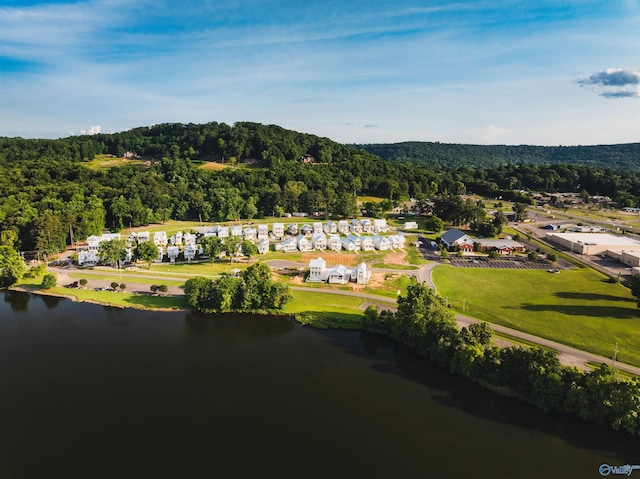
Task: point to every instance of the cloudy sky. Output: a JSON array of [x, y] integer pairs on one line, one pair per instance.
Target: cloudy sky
[[544, 72]]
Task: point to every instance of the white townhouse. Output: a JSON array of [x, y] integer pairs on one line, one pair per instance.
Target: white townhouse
[[189, 239], [143, 237], [190, 252], [236, 231], [278, 230], [93, 242], [367, 225], [330, 228], [172, 253], [160, 238], [292, 229], [263, 246], [381, 243], [334, 243], [219, 231], [361, 274], [160, 255], [317, 269], [304, 243], [380, 226], [288, 246], [317, 227], [176, 239], [306, 230], [410, 225], [319, 241], [263, 232], [343, 227], [397, 240], [355, 226], [349, 244], [366, 243], [250, 234], [88, 258], [338, 275]]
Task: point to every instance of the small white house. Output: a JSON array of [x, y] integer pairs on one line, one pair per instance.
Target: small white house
[[306, 230], [263, 246], [160, 255], [172, 253], [343, 227], [366, 243], [410, 225], [319, 241], [317, 227], [292, 229], [348, 244], [160, 238], [278, 230], [317, 270], [236, 231], [304, 243], [381, 243], [334, 243]]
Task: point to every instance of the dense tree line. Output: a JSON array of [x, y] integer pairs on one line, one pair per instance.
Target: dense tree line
[[424, 323], [446, 155], [50, 195], [253, 290]]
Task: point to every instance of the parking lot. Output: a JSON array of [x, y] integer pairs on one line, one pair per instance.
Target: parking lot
[[502, 263]]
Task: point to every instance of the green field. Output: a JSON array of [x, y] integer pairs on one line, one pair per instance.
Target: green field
[[327, 310], [576, 307], [103, 162]]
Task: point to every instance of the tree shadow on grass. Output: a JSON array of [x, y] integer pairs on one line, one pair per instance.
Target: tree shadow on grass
[[582, 310], [592, 297]]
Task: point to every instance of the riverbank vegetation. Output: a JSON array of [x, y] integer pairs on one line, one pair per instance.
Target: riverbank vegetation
[[425, 323], [253, 290]]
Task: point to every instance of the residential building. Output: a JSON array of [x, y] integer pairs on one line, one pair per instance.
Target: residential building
[[263, 246], [236, 231], [343, 227], [304, 243], [330, 227], [334, 243], [361, 274], [172, 253], [454, 238], [263, 232], [143, 236], [278, 230], [317, 271], [366, 243], [160, 238], [355, 226], [189, 239], [190, 252], [380, 226], [317, 227], [319, 241], [381, 243], [250, 234]]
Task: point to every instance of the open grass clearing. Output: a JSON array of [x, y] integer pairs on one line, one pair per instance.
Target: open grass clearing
[[125, 279], [576, 307], [326, 310], [104, 162], [125, 300]]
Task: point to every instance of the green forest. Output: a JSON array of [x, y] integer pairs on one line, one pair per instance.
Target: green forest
[[51, 191], [623, 157]]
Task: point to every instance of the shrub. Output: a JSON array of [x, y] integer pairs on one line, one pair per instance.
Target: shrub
[[49, 281], [114, 285], [83, 282]]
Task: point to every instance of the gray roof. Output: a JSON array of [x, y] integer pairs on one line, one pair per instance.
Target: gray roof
[[452, 235]]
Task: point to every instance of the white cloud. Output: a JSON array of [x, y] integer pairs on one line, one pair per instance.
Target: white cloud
[[615, 83]]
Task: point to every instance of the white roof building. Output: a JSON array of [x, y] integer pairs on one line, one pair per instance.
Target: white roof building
[[160, 238]]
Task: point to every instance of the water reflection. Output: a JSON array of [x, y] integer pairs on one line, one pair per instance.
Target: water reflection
[[234, 329], [51, 301], [18, 301]]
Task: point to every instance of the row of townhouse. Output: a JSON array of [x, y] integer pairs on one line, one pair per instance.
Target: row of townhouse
[[278, 230], [352, 242], [160, 238], [339, 274]]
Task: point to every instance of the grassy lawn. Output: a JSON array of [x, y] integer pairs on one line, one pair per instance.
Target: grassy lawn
[[194, 269], [128, 300], [124, 279], [578, 307], [414, 256], [101, 162], [326, 310]]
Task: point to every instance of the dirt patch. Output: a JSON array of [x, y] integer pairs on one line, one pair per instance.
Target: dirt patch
[[332, 259], [395, 257]]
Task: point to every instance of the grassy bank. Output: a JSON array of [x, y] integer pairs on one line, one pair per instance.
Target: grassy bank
[[578, 307]]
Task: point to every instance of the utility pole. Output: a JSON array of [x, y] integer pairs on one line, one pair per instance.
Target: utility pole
[[615, 354]]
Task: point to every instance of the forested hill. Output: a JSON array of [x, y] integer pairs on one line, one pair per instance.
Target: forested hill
[[621, 157]]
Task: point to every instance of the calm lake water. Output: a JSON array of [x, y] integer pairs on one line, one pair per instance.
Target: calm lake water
[[97, 392]]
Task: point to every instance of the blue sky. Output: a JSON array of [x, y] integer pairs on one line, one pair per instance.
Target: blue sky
[[558, 72]]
